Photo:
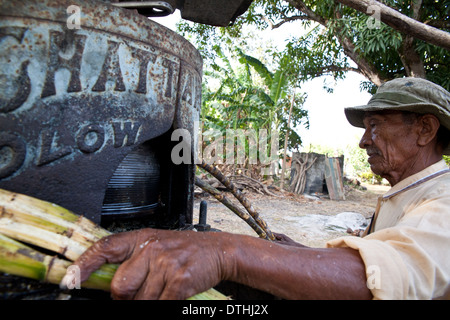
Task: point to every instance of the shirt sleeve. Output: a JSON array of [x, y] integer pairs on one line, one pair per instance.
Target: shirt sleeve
[[410, 260]]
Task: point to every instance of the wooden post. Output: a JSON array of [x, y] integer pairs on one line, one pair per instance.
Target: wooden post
[[333, 179], [286, 139]]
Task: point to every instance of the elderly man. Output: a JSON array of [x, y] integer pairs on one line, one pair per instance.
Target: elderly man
[[404, 255]]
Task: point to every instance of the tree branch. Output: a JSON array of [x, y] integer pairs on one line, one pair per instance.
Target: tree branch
[[300, 5], [364, 67], [411, 60], [333, 68], [285, 20], [401, 22]]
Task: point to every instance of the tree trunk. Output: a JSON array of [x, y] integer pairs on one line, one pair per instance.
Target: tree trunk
[[364, 67], [410, 59]]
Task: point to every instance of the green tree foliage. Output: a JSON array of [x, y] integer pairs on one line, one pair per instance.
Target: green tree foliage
[[332, 40], [342, 39], [250, 96], [447, 160]]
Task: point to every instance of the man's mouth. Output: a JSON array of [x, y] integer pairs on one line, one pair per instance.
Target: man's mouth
[[373, 154]]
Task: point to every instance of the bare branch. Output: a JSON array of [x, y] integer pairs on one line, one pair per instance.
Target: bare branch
[[285, 20], [300, 5], [289, 19], [238, 194], [230, 205], [333, 68]]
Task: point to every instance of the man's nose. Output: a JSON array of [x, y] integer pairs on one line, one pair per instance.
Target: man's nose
[[366, 140]]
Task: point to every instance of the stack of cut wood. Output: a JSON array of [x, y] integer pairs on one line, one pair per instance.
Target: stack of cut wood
[[300, 167]]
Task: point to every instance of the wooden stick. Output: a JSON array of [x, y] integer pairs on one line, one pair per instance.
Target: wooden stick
[[266, 190], [225, 201], [299, 180], [238, 194]]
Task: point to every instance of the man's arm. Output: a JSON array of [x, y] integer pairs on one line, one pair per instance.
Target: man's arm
[[295, 272], [161, 264]]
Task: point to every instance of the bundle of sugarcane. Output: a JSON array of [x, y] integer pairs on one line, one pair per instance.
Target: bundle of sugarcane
[[27, 220]]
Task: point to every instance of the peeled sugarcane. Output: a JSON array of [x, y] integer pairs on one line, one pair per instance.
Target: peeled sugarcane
[[21, 260], [52, 227], [47, 225]]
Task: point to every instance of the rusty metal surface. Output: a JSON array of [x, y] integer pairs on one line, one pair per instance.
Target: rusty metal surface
[[75, 101]]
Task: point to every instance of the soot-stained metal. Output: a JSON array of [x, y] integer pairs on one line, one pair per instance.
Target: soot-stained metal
[[74, 102], [90, 94]]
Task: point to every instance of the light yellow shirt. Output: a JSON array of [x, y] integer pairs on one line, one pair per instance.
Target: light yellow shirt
[[407, 255]]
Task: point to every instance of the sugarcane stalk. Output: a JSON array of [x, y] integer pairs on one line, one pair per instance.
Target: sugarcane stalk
[[52, 227], [47, 225], [42, 238], [21, 260], [18, 259], [238, 194], [49, 216], [211, 294], [227, 202]]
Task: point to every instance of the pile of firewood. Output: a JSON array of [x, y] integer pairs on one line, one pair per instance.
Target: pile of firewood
[[300, 167]]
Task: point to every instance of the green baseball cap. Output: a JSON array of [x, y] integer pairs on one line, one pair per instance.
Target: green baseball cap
[[406, 94]]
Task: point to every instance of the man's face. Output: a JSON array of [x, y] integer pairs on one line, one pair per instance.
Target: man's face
[[390, 144]]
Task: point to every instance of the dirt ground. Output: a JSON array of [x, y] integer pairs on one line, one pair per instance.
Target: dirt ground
[[302, 218]]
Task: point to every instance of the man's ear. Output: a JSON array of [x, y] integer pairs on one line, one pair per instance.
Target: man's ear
[[429, 127]]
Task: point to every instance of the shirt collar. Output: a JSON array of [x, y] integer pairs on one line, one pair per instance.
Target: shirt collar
[[417, 178]]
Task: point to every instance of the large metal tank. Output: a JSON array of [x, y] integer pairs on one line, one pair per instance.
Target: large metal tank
[[83, 84], [90, 94]]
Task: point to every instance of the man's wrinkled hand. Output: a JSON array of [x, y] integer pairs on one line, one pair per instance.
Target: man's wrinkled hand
[[281, 238], [156, 264]]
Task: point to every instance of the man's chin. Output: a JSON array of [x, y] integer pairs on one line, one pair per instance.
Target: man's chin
[[377, 168]]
